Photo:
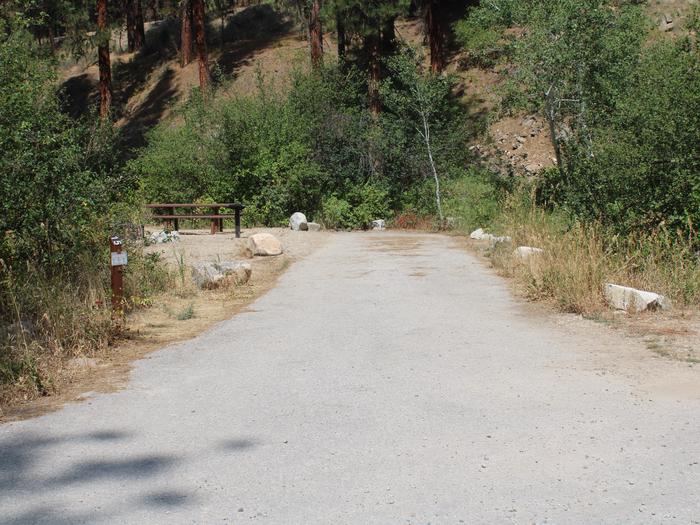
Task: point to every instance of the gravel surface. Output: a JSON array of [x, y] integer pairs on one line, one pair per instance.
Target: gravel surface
[[390, 379]]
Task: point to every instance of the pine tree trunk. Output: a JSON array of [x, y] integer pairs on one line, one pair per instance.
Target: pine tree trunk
[[340, 28], [436, 36], [104, 60], [316, 34], [186, 33], [153, 6], [373, 51], [201, 44], [388, 37], [139, 30], [129, 11]]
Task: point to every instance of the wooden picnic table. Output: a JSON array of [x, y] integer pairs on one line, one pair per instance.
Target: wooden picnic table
[[217, 218]]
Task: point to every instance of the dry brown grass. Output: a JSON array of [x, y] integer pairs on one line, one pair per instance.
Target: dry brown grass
[[579, 259]]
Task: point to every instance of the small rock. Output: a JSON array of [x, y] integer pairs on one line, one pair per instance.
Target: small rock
[[211, 275], [667, 23], [526, 252], [477, 234], [163, 236], [241, 271], [631, 299], [83, 362], [379, 225], [264, 244], [520, 139], [481, 235], [20, 328], [313, 226], [298, 222]]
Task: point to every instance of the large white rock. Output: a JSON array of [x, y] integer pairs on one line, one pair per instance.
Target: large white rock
[[298, 222], [210, 275], [633, 300], [526, 252], [264, 244], [379, 225]]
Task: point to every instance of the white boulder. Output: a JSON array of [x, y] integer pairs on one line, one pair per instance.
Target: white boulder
[[298, 222], [633, 300], [379, 225], [313, 226], [524, 253], [264, 244]]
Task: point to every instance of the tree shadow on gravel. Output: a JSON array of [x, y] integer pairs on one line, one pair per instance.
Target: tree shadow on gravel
[[98, 460]]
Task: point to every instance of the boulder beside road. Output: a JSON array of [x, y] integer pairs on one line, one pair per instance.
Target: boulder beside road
[[298, 222], [211, 275], [264, 244], [633, 300]]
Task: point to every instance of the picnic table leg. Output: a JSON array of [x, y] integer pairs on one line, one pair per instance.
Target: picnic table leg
[[214, 222], [238, 223], [169, 222]]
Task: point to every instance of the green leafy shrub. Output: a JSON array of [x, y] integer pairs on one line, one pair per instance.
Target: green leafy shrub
[[473, 199], [336, 214]]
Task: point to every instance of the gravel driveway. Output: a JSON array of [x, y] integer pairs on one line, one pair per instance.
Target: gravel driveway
[[390, 379]]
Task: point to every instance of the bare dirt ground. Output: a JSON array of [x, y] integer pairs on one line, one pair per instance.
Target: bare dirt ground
[[152, 328]]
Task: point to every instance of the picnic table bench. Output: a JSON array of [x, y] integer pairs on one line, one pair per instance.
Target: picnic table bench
[[215, 216]]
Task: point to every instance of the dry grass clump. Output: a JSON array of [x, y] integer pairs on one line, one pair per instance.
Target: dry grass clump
[[53, 318], [579, 259]]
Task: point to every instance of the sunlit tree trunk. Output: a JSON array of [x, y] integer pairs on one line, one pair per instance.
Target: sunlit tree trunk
[[436, 36], [186, 33], [104, 60], [200, 41], [316, 34]]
